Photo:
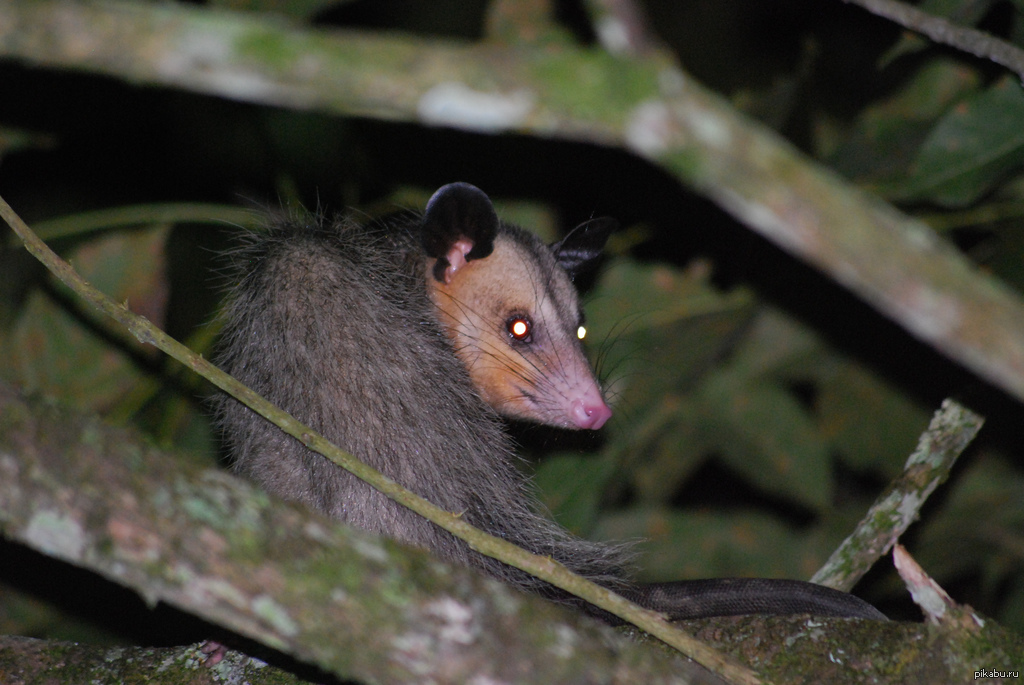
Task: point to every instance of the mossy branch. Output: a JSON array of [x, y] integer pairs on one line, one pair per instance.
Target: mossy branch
[[544, 568], [950, 431]]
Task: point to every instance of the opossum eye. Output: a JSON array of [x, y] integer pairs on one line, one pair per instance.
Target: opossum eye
[[581, 332], [520, 328]]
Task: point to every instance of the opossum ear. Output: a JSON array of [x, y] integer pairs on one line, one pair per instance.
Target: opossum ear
[[578, 250], [459, 225]]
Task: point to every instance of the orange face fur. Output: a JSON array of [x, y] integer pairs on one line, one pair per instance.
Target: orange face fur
[[513, 322]]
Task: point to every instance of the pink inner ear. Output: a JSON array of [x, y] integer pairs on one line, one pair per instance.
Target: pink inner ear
[[457, 257]]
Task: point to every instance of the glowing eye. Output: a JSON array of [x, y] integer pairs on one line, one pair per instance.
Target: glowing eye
[[519, 328], [581, 332]]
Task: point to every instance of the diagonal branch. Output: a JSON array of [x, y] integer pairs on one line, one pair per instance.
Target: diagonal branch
[[941, 30], [950, 432]]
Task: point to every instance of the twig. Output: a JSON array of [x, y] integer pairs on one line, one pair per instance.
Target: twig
[[544, 568], [950, 431], [941, 30], [934, 601]]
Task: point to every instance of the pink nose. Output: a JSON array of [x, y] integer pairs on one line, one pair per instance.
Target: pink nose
[[589, 413]]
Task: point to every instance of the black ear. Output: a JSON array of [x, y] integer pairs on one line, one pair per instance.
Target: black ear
[[578, 250], [458, 211]]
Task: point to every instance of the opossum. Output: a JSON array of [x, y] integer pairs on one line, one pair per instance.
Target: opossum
[[402, 341]]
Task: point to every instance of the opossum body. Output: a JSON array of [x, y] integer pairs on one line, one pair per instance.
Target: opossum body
[[400, 341], [337, 324]]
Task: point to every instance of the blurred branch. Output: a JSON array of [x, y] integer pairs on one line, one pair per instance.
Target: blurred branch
[[647, 106], [950, 431], [140, 215], [943, 31]]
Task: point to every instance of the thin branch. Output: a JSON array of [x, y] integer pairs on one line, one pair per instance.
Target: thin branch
[[943, 31], [950, 431], [544, 568]]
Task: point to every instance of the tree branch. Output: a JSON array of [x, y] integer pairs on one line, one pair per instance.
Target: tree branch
[[943, 31], [362, 607], [950, 431], [27, 660]]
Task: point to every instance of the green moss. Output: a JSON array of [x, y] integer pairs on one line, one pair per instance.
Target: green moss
[[592, 85], [268, 46]]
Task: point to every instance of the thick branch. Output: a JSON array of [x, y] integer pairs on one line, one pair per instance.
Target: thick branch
[[26, 660]]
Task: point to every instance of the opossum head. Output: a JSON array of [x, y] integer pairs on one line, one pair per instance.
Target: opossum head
[[510, 309]]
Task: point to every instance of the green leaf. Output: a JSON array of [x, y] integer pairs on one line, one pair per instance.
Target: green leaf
[[56, 349], [888, 135], [775, 346], [868, 422], [660, 464], [765, 434], [571, 486], [976, 145], [661, 327]]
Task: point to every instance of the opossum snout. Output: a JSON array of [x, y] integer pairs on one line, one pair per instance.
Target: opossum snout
[[589, 411]]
